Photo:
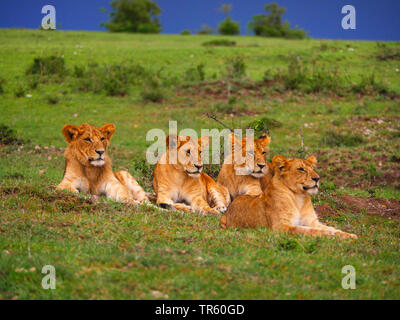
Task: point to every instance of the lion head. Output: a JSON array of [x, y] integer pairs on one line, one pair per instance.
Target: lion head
[[88, 144], [297, 174], [250, 158], [185, 153]]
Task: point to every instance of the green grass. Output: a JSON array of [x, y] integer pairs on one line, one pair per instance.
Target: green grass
[[109, 250]]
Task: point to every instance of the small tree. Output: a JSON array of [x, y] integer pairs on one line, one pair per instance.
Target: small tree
[[270, 25], [134, 16], [228, 26]]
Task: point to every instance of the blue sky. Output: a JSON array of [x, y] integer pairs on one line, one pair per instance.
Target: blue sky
[[375, 19]]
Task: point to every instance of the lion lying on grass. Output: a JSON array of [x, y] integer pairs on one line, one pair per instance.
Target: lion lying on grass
[[88, 166], [180, 183], [286, 204]]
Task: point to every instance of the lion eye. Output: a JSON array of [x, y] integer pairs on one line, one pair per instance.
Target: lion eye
[[188, 152], [88, 139], [102, 138], [301, 169], [264, 153]]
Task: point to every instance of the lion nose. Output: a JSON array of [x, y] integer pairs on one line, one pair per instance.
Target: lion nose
[[316, 179], [100, 152], [261, 165], [198, 166]]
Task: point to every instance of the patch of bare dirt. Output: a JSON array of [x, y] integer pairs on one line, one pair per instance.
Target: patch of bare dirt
[[386, 208]]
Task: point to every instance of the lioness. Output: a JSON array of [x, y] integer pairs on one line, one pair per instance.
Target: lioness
[[180, 183], [88, 166], [286, 203], [252, 175]]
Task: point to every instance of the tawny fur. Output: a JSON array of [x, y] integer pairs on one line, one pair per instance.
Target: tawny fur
[[88, 166], [179, 182], [253, 175], [285, 205]]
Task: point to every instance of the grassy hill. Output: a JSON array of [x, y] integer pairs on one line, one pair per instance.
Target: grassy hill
[[340, 97]]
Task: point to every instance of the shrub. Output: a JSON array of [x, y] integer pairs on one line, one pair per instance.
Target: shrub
[[185, 33], [47, 66], [195, 73], [219, 42], [153, 94], [229, 27], [263, 125], [236, 67], [20, 91], [205, 30], [387, 53], [8, 136], [112, 79]]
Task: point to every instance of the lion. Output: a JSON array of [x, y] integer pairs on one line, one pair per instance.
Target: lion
[[88, 166], [179, 182], [252, 174], [286, 204]]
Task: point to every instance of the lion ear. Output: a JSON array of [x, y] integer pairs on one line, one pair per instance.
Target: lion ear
[[235, 142], [108, 129], [264, 140], [70, 132], [279, 162], [313, 160], [173, 141]]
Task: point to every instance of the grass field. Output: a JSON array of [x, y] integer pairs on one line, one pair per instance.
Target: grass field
[[342, 97]]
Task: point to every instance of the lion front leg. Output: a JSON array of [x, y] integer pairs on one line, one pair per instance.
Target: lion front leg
[[218, 195], [133, 187], [116, 191], [200, 205], [313, 222]]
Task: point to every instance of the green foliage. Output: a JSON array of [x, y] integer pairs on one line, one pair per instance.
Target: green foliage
[[139, 16], [2, 83], [387, 53], [337, 139], [205, 30], [229, 27], [185, 32], [47, 66], [271, 25], [263, 125], [195, 73], [219, 43], [114, 79], [235, 67], [8, 136]]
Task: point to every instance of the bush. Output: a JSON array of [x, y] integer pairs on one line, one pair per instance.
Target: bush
[[236, 67], [185, 33], [47, 66], [205, 30], [20, 91], [112, 79], [195, 73], [219, 42], [229, 27], [263, 125], [8, 136]]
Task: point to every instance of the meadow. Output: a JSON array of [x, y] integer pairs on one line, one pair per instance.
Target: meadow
[[337, 100]]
